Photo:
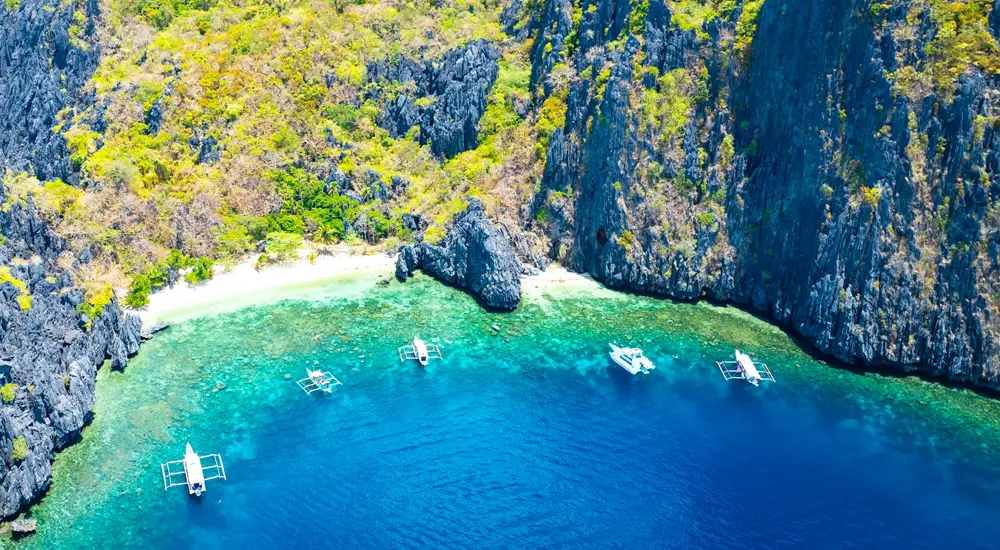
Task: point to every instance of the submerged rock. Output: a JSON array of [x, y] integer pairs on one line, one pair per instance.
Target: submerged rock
[[148, 333], [23, 527], [475, 255]]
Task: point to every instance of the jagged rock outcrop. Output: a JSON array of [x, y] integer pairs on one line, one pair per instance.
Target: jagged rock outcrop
[[447, 97], [802, 181], [49, 354], [45, 58], [475, 255]]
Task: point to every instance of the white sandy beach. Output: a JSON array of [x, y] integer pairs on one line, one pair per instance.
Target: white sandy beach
[[243, 285], [557, 278], [557, 275]]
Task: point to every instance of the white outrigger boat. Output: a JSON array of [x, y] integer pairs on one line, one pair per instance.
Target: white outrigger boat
[[631, 359], [420, 351], [192, 471], [318, 381], [743, 368]]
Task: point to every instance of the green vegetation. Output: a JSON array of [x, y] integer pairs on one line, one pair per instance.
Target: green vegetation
[[12, 5], [627, 240], [284, 246], [871, 195], [512, 85], [280, 89], [963, 41], [942, 217], [77, 30], [690, 15], [726, 151], [21, 449], [201, 271], [155, 276], [8, 391], [281, 247], [668, 107], [54, 199], [96, 297], [637, 17], [827, 191], [24, 298], [139, 291], [746, 28], [551, 117]]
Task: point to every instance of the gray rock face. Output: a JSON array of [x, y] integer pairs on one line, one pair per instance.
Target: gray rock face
[[474, 255], [23, 527], [41, 69], [449, 97], [995, 19], [904, 276], [51, 356]]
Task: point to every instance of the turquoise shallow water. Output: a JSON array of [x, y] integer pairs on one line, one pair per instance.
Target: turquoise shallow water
[[529, 438]]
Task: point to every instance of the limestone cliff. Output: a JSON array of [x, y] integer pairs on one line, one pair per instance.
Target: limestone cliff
[[474, 255], [47, 53], [446, 97], [49, 356], [833, 165], [49, 351], [806, 159]]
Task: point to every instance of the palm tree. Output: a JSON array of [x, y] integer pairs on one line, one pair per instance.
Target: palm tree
[[325, 235]]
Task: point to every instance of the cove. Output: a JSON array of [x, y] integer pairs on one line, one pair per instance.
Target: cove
[[526, 438]]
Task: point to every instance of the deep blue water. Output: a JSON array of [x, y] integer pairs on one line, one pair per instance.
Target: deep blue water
[[534, 443], [490, 459]]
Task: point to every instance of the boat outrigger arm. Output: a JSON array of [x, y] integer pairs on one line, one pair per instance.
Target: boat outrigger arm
[[744, 368], [193, 470], [318, 381]]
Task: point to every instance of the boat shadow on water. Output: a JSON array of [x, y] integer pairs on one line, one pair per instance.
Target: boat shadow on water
[[207, 512], [633, 385]]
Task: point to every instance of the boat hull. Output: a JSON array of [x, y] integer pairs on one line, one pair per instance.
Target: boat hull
[[633, 370]]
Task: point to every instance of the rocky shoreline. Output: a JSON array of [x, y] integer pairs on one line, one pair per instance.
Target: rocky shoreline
[[49, 356], [840, 207], [792, 173], [49, 350]]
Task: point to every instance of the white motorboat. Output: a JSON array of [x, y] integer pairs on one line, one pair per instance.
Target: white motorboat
[[631, 359]]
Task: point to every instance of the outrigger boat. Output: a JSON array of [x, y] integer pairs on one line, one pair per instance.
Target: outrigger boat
[[420, 351], [743, 368], [631, 359], [318, 381], [192, 471]]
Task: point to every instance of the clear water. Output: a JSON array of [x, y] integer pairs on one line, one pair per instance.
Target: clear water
[[527, 439]]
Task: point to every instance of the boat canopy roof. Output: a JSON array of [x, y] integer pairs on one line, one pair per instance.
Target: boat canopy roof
[[192, 465], [749, 369]]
